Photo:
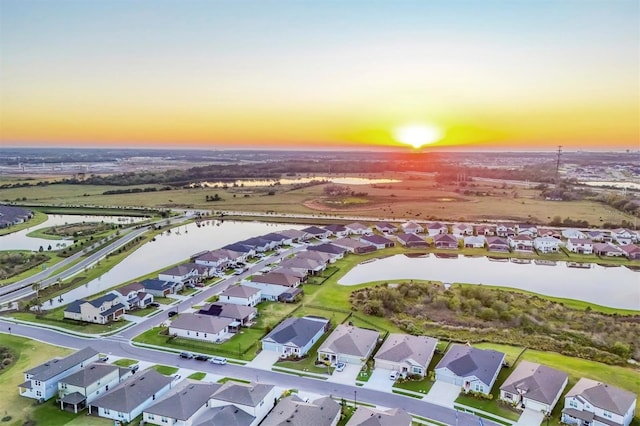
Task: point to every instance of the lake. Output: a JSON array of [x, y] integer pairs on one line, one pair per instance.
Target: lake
[[270, 182], [616, 287]]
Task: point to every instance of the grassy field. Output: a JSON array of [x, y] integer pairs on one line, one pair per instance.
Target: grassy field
[[55, 318]]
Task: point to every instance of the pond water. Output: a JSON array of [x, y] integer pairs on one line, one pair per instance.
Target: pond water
[[270, 182], [616, 287], [20, 241], [167, 249], [613, 184]]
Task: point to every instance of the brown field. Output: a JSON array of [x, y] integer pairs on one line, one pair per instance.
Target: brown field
[[416, 197]]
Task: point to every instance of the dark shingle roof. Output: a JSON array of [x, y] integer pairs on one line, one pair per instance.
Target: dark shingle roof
[[602, 395], [52, 368], [242, 394], [293, 411], [327, 248], [228, 415], [376, 239], [134, 391], [466, 361], [365, 416], [90, 374], [541, 383], [239, 291], [401, 347], [298, 331], [184, 400]]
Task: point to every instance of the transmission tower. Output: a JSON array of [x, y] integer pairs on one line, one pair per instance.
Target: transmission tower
[[558, 165]]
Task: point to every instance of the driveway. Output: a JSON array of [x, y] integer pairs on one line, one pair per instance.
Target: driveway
[[264, 360], [346, 376], [379, 380], [443, 393], [530, 418]]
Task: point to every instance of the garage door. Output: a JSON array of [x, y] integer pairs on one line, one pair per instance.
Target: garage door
[[454, 380], [535, 406]]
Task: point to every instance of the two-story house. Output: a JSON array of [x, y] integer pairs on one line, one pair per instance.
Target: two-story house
[[547, 244], [580, 245], [522, 243], [241, 295], [133, 296], [179, 407], [102, 310], [591, 403]]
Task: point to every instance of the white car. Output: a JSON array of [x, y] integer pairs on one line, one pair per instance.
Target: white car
[[340, 366], [218, 360], [394, 375]]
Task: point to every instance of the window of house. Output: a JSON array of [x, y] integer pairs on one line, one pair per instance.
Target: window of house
[[188, 334], [150, 417], [205, 335], [38, 393], [573, 404], [106, 411], [197, 334], [508, 395], [37, 383], [165, 420], [606, 414], [478, 387]]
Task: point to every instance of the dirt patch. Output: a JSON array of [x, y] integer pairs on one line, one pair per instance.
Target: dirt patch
[[319, 204]]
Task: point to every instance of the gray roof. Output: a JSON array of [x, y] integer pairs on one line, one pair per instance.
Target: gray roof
[[228, 310], [302, 262], [89, 374], [180, 270], [126, 289], [296, 272], [350, 242], [602, 395], [293, 411], [53, 367], [465, 361], [350, 340], [228, 415], [377, 239], [365, 416], [132, 392], [298, 331], [184, 400], [327, 248], [73, 398], [402, 347], [242, 393], [314, 230], [276, 278], [385, 225], [156, 284], [201, 323], [292, 233], [541, 383], [408, 238], [240, 291], [316, 255]]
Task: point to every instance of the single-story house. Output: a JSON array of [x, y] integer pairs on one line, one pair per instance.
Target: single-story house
[[580, 245], [354, 246], [348, 344], [378, 241], [160, 288], [591, 403], [246, 250], [527, 229], [546, 244], [240, 314], [470, 368], [607, 249], [102, 310], [504, 230], [369, 416], [276, 278], [295, 235], [631, 251], [534, 386], [473, 241], [295, 336], [521, 243], [235, 256], [312, 266], [240, 295], [187, 273], [329, 248], [573, 233], [277, 238], [133, 296], [412, 227], [624, 236], [317, 232], [225, 415], [82, 387], [358, 229], [445, 241], [259, 244], [599, 236], [293, 411], [130, 398], [486, 230], [218, 259], [255, 399], [386, 227], [462, 229], [12, 215], [296, 272], [337, 230], [549, 232], [201, 327], [318, 255], [270, 291], [181, 405], [41, 382], [498, 244], [412, 240], [437, 228], [406, 354]]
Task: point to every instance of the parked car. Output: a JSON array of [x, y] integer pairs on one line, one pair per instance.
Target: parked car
[[103, 358], [201, 357], [134, 367], [186, 355], [218, 360], [172, 313], [154, 305], [340, 366], [394, 375]]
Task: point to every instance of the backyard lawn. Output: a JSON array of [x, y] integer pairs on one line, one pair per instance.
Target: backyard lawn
[[55, 318]]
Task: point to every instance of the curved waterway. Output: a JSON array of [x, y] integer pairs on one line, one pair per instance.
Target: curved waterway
[[616, 287]]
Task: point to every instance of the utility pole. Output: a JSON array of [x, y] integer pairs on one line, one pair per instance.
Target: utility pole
[[558, 165]]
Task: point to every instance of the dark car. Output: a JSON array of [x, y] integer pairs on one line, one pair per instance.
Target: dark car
[[186, 355], [201, 358], [172, 313], [154, 305]]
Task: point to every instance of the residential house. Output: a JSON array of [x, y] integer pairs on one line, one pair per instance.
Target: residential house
[[41, 382], [354, 246], [317, 232], [591, 403], [291, 295], [358, 229], [503, 230], [240, 295], [348, 344], [521, 243], [272, 284], [386, 227], [12, 215], [337, 252], [580, 245], [548, 232], [246, 251], [631, 251], [227, 415], [437, 228], [82, 387], [241, 315], [378, 241], [311, 266], [293, 411], [133, 296], [278, 239], [185, 274], [445, 241], [412, 227], [498, 244], [573, 233], [527, 229], [470, 368], [182, 405], [534, 386], [130, 398], [462, 229], [216, 259], [102, 310], [255, 399], [160, 288], [259, 244], [295, 336], [336, 230], [318, 255], [607, 249], [201, 327], [369, 416], [624, 236], [235, 256], [546, 244], [406, 354], [295, 235], [412, 240], [472, 241], [486, 230], [296, 272], [599, 236]]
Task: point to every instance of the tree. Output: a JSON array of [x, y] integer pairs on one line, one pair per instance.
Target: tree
[[36, 286]]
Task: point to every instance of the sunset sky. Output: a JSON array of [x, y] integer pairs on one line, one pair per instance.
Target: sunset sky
[[512, 74]]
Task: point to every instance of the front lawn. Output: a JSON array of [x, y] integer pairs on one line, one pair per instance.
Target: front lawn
[[165, 369], [197, 376], [420, 386], [125, 362], [143, 312]]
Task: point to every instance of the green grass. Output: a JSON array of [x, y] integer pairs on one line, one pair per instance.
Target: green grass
[[55, 318], [232, 379], [125, 362], [197, 376], [511, 352], [308, 363], [420, 386], [165, 369], [143, 312], [187, 291], [399, 392]]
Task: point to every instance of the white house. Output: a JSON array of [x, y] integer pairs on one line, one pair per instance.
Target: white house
[[201, 327], [386, 227], [580, 245], [255, 399], [339, 231], [462, 229], [624, 236], [102, 310], [437, 228], [591, 403], [470, 368], [187, 273], [295, 336], [534, 386], [546, 244], [573, 233], [133, 296], [521, 243], [348, 344], [41, 382], [412, 227], [218, 259], [358, 229], [294, 411], [475, 241], [183, 404], [240, 295], [406, 354]]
